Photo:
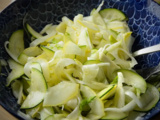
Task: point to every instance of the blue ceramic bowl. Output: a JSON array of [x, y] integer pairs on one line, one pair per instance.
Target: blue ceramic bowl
[[144, 21]]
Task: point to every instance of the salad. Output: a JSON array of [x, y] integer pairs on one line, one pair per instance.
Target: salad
[[80, 69]]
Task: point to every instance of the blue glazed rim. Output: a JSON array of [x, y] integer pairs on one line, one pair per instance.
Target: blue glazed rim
[[144, 21]]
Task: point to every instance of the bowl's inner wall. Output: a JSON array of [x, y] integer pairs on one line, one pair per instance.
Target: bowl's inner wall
[[143, 21]]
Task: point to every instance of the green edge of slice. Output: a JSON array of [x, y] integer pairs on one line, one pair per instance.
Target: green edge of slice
[[113, 14]]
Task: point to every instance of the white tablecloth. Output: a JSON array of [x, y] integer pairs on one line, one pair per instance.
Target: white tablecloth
[[4, 4]]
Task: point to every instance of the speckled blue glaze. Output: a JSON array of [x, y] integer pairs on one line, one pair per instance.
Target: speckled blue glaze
[[144, 21]]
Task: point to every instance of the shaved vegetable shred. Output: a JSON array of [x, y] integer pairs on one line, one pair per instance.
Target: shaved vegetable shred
[[80, 69]]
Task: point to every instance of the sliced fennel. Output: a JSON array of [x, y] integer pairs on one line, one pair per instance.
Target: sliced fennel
[[46, 112], [80, 69], [33, 32], [95, 104], [17, 89]]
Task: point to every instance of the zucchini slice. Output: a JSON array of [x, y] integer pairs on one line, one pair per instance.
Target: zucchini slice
[[37, 90], [113, 14], [11, 46], [134, 79], [29, 52], [60, 94], [16, 43], [110, 115], [17, 71], [149, 99]]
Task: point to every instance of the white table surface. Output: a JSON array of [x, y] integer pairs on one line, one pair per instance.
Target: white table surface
[[4, 3]]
